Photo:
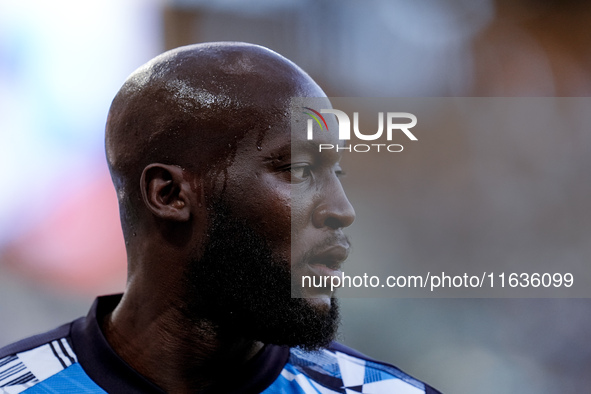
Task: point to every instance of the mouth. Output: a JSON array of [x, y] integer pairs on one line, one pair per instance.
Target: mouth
[[328, 261]]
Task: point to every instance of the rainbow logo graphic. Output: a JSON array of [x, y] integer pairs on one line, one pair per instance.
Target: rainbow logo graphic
[[315, 115]]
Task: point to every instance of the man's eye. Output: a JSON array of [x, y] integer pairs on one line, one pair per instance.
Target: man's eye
[[300, 171]]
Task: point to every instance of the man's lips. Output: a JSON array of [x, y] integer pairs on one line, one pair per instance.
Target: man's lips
[[328, 261]]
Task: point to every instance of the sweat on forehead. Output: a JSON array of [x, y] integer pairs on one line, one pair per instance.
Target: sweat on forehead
[[189, 104]]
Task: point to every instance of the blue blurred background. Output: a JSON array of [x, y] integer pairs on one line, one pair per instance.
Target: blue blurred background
[[61, 63]]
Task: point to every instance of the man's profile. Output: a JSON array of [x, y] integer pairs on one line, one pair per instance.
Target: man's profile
[[219, 206]]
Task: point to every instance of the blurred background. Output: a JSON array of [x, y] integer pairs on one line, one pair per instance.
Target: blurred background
[[61, 63]]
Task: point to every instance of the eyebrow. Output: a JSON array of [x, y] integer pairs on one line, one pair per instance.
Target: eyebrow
[[304, 146], [307, 145], [311, 146]]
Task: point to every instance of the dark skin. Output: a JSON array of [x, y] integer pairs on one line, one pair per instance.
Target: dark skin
[[200, 123]]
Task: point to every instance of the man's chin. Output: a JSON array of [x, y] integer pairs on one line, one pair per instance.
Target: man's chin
[[313, 324]]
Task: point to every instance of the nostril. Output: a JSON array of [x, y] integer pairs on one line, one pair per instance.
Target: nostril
[[333, 223]]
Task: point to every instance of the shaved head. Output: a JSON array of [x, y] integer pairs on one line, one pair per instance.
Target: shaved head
[[191, 106]]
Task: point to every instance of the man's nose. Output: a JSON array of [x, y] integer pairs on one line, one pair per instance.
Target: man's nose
[[335, 210]]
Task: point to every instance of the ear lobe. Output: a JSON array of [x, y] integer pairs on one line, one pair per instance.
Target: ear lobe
[[165, 192]]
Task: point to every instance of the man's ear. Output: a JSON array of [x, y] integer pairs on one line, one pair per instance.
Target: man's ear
[[165, 192]]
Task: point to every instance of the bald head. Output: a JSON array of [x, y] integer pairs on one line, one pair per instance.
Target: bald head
[[201, 153], [191, 106]]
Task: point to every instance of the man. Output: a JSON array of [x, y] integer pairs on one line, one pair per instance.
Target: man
[[218, 204]]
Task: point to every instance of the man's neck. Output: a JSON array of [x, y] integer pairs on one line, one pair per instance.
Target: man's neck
[[178, 356]]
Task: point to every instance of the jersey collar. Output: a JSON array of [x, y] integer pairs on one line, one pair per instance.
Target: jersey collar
[[114, 375]]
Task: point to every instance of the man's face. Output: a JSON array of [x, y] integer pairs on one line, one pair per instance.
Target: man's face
[[292, 196], [279, 207]]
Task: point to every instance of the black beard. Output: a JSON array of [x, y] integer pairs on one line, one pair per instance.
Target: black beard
[[240, 287]]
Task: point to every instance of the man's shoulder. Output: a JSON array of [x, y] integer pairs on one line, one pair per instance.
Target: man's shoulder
[[40, 362], [339, 367]]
